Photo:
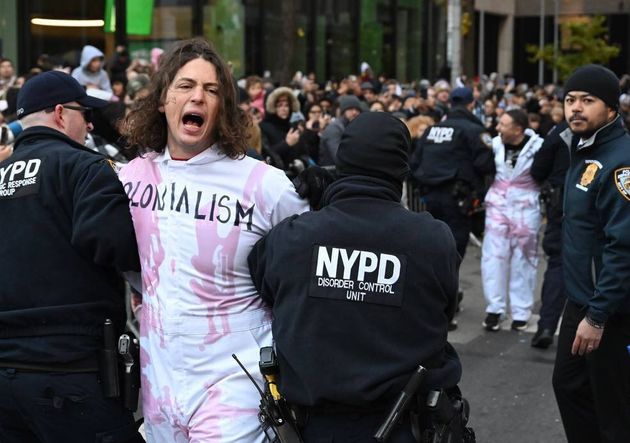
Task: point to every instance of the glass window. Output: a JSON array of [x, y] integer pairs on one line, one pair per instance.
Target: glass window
[[48, 37]]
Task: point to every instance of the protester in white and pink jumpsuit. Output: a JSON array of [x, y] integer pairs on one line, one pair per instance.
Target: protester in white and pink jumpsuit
[[198, 207], [509, 252]]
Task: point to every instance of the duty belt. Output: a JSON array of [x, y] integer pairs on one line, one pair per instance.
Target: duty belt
[[86, 365]]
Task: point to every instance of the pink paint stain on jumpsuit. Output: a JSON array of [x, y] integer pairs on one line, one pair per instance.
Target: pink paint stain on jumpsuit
[[510, 245], [211, 211]]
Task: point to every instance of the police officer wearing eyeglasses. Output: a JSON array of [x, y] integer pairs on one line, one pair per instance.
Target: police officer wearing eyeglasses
[[67, 236]]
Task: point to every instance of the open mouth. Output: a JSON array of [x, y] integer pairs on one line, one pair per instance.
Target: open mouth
[[194, 120]]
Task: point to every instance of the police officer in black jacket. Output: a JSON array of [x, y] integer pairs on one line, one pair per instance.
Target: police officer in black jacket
[[362, 291], [450, 163], [591, 376], [67, 235], [549, 169]]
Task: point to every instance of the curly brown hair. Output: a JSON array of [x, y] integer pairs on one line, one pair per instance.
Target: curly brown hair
[[145, 128]]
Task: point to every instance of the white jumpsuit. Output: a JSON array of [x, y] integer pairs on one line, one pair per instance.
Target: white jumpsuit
[[509, 256], [196, 221]]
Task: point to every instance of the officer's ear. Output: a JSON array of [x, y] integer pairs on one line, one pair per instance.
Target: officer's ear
[[612, 112], [59, 117]]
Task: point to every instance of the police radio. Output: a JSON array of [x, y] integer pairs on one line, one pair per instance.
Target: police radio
[[274, 413]]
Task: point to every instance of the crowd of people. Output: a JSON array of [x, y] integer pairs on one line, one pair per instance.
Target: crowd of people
[[210, 165]]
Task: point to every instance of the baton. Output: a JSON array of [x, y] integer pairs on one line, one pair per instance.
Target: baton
[[401, 405]]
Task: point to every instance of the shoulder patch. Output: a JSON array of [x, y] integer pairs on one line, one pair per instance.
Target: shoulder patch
[[622, 180], [20, 178], [486, 139], [113, 165]]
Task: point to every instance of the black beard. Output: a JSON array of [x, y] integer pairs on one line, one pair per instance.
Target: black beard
[[584, 135]]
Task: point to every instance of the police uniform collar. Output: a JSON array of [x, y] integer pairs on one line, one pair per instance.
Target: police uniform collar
[[460, 111], [582, 143], [359, 186], [209, 155], [47, 132]]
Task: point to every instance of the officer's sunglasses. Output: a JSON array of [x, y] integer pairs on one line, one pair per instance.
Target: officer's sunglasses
[[88, 113]]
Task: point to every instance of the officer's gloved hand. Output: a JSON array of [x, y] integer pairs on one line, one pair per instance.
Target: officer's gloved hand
[[311, 184]]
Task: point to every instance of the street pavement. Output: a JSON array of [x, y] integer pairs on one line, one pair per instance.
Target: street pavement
[[506, 381]]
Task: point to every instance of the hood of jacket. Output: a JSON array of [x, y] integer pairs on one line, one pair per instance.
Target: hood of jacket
[[273, 97], [88, 53], [360, 186]]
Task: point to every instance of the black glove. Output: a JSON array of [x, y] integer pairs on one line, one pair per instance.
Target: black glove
[[311, 184]]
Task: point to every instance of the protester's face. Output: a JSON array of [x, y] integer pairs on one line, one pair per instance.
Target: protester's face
[[351, 113], [443, 96], [545, 106], [534, 124], [377, 107], [118, 89], [95, 64], [254, 90], [510, 132], [310, 86], [557, 115], [488, 107], [314, 113], [6, 69], [283, 109], [585, 113], [191, 107], [369, 95]]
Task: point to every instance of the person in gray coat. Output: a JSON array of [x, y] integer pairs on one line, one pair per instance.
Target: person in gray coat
[[349, 108], [91, 72]]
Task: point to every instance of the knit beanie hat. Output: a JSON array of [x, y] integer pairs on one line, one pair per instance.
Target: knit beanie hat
[[375, 144], [596, 80], [347, 102]]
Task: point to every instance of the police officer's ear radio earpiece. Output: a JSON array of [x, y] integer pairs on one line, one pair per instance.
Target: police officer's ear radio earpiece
[[274, 412]]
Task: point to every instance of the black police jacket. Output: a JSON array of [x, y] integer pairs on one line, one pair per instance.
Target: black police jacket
[[362, 292], [549, 169], [596, 224], [459, 148], [551, 161], [66, 234]]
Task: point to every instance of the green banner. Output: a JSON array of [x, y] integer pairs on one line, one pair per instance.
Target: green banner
[[139, 16], [110, 16]]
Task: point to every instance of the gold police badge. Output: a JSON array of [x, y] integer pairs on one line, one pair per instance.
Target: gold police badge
[[622, 180], [589, 174]]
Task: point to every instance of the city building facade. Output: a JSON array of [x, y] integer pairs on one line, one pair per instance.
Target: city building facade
[[405, 39]]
